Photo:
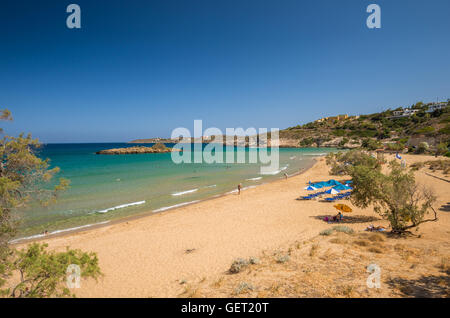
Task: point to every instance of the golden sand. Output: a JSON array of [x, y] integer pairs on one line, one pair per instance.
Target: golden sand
[[163, 254]]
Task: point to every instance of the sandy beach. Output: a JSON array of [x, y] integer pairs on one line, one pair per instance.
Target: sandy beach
[[153, 256]]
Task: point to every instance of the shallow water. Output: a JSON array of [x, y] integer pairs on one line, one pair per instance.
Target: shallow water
[[105, 187]]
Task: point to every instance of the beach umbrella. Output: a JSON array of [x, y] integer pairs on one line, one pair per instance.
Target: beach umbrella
[[398, 156], [333, 182], [343, 207], [310, 188], [332, 191], [341, 187]]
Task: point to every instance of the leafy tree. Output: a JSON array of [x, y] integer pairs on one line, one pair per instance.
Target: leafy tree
[[425, 130], [23, 179], [42, 273], [394, 195], [396, 146], [422, 148], [342, 162], [371, 144], [441, 149], [343, 142]]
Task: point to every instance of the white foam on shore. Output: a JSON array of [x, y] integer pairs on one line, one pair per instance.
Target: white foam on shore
[[184, 192], [56, 232], [121, 206], [315, 154], [274, 172], [211, 186], [174, 206], [254, 179]]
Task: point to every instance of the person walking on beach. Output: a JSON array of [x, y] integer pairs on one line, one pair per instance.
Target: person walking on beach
[[239, 188], [286, 175]]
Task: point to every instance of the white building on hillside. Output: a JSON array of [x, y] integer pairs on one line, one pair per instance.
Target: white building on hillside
[[406, 112], [436, 106]]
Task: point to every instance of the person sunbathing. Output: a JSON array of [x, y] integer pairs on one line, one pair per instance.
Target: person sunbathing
[[373, 228], [336, 218]]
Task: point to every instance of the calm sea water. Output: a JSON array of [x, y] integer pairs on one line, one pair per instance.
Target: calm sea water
[[105, 187]]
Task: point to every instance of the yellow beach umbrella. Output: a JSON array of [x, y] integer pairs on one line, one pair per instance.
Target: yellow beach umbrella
[[343, 207]]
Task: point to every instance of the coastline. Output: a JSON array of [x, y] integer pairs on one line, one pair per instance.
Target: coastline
[[93, 226], [167, 254]]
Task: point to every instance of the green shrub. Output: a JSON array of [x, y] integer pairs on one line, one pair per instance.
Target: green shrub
[[445, 130], [425, 130], [243, 287], [238, 265], [326, 232], [422, 148], [283, 259], [339, 132], [343, 229], [306, 142]]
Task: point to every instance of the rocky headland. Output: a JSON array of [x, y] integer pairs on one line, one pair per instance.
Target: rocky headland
[[157, 148]]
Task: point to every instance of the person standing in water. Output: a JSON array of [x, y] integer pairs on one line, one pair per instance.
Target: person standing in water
[[239, 188]]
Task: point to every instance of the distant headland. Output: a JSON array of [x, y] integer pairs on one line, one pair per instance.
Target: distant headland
[[156, 148]]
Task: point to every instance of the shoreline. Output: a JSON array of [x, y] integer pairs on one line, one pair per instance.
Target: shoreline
[[94, 226], [170, 253]]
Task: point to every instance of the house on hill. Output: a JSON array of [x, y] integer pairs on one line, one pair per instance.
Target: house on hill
[[406, 112], [436, 106], [338, 118]]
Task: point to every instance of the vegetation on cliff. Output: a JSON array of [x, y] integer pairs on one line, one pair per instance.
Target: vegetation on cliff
[[378, 130], [156, 148]]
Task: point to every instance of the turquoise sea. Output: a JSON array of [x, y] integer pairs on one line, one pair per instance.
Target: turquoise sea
[[106, 187]]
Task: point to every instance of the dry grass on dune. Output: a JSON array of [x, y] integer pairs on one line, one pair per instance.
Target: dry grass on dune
[[335, 265]]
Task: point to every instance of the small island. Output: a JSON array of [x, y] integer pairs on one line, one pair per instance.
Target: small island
[[156, 148]]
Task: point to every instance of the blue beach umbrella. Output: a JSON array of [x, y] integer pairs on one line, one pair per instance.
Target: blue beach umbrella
[[341, 187], [310, 188], [332, 191]]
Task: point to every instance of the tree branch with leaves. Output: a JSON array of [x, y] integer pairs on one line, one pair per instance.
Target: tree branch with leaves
[[24, 178], [394, 195]]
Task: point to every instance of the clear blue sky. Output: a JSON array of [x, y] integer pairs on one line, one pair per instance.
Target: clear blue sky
[[141, 68]]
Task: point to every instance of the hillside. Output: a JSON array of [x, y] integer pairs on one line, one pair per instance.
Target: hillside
[[419, 128], [394, 129]]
